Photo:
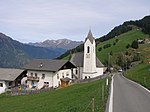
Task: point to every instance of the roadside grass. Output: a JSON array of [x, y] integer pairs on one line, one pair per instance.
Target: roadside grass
[[75, 98], [140, 73]]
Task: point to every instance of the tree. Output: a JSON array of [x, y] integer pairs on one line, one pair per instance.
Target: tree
[[117, 40], [128, 46], [99, 49], [111, 53], [135, 44], [114, 43]]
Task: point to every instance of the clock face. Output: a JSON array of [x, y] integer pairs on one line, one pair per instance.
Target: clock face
[[87, 55]]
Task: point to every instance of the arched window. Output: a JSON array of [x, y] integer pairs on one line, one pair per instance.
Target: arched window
[[88, 49]]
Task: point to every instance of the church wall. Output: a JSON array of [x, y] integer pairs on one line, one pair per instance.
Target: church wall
[[89, 58]]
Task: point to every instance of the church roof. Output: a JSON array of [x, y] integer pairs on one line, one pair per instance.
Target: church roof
[[78, 59], [90, 37]]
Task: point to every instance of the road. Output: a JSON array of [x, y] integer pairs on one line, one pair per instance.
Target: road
[[129, 97]]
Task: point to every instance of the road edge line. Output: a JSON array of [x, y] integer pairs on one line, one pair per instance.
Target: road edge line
[[137, 84], [111, 96]]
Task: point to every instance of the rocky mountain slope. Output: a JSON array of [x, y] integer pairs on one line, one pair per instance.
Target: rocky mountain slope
[[65, 44], [16, 54]]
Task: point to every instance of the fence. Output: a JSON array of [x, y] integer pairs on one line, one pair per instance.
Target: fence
[[17, 91], [20, 90], [91, 79]]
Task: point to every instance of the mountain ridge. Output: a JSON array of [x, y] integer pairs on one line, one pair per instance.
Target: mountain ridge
[[15, 54], [60, 43], [143, 23]]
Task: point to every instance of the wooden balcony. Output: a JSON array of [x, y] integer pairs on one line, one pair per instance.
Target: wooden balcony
[[31, 78]]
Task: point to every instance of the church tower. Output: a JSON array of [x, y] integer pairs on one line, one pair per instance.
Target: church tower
[[89, 63]]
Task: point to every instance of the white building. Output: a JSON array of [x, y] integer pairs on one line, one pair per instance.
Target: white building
[[88, 65], [43, 73], [10, 78]]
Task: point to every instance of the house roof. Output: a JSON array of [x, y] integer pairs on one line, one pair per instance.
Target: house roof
[[46, 65], [78, 59], [90, 37], [9, 74]]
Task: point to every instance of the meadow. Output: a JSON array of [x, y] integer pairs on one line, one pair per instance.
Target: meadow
[[74, 98]]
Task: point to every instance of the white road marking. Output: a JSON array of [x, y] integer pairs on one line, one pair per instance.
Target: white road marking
[[111, 96], [137, 84]]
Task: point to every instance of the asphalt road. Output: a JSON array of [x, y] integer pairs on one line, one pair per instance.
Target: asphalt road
[[129, 97]]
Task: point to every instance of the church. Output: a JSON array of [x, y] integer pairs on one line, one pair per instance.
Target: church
[[88, 65]]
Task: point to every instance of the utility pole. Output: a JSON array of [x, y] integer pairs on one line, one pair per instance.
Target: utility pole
[[108, 61], [93, 104]]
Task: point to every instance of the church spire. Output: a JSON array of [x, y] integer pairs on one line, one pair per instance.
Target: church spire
[[90, 36]]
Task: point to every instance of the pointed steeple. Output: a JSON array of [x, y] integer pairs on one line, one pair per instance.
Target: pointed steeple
[[90, 36]]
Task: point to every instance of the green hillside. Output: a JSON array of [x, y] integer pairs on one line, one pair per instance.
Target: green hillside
[[75, 98], [118, 45], [140, 73]]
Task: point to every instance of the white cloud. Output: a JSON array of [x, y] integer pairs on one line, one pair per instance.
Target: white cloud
[[40, 19]]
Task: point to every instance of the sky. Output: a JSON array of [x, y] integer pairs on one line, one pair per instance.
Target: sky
[[39, 20]]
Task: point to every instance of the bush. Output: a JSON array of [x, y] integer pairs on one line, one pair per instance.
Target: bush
[[99, 49], [135, 44], [106, 46], [128, 46]]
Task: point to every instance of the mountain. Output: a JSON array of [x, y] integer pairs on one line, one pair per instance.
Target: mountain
[[16, 54], [60, 43], [143, 25]]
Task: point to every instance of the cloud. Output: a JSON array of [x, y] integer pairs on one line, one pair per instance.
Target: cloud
[[42, 19]]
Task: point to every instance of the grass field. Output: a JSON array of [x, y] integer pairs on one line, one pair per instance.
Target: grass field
[[75, 98], [140, 73], [120, 46]]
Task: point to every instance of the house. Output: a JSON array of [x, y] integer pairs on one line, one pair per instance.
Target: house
[[10, 77], [88, 65], [43, 73]]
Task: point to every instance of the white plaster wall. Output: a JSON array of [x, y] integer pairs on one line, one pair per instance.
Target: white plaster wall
[[89, 65], [40, 84], [99, 71], [50, 77], [80, 72], [2, 89], [62, 73]]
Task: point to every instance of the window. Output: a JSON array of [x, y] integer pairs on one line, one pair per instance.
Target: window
[[1, 84], [35, 74], [88, 49], [46, 84], [43, 76], [57, 76], [85, 77], [63, 75], [10, 83], [76, 71], [32, 74], [67, 74], [41, 64]]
